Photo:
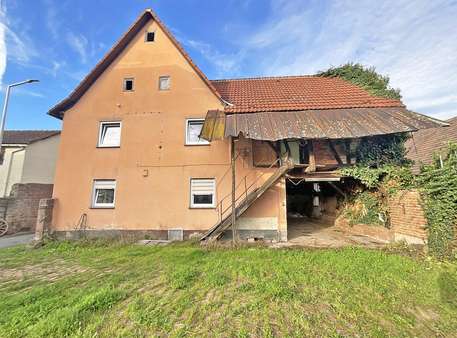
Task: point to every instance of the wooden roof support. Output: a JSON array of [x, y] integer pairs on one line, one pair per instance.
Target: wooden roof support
[[334, 152]]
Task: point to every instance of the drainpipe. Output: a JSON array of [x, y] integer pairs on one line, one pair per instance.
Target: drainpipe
[[9, 170]]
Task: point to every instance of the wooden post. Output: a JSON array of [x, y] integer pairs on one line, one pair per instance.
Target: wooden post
[[233, 162], [312, 159], [347, 144]]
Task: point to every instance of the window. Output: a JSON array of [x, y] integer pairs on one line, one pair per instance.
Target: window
[[193, 130], [150, 36], [103, 193], [128, 85], [110, 134], [202, 193], [164, 83]]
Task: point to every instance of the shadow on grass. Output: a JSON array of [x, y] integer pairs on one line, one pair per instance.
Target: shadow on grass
[[447, 282]]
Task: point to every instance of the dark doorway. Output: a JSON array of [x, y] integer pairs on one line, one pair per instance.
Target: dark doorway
[[310, 205]]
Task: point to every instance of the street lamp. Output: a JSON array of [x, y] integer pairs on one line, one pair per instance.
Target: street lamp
[[5, 105]]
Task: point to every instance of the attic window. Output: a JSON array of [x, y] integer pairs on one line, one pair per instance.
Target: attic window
[[164, 83], [128, 85], [150, 36]]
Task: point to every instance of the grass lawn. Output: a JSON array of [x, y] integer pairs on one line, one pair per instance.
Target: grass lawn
[[100, 289]]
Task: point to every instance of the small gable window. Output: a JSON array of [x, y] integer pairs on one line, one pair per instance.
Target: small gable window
[[128, 84], [109, 134], [150, 36], [164, 83], [193, 130]]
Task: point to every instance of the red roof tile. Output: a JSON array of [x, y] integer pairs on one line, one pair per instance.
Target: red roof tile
[[296, 93], [26, 136]]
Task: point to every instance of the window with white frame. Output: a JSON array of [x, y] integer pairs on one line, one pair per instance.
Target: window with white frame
[[103, 193], [193, 130], [202, 193], [164, 83], [109, 134]]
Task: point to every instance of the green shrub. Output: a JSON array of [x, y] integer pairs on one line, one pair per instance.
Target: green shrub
[[366, 208], [438, 183]]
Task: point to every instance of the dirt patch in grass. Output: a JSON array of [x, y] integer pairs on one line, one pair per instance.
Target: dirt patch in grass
[[49, 271], [121, 290]]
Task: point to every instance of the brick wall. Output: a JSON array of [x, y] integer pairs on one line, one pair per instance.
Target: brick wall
[[407, 217], [22, 205]]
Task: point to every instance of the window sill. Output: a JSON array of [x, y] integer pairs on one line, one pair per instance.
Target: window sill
[[197, 144], [99, 146], [202, 208], [97, 207]]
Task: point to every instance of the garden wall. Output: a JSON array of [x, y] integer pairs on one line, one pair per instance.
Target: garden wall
[[20, 208], [407, 217]]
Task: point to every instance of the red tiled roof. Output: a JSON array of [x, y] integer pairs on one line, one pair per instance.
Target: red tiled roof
[[424, 143], [296, 93], [26, 136]]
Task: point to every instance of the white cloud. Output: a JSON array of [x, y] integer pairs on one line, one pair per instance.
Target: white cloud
[[53, 22], [414, 42], [224, 63], [79, 44], [3, 50]]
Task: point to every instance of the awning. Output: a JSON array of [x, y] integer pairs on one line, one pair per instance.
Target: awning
[[316, 124]]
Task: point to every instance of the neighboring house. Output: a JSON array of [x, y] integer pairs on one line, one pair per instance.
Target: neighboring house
[[424, 144], [29, 156], [132, 160]]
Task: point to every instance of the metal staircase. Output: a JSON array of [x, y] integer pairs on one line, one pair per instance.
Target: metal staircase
[[249, 195]]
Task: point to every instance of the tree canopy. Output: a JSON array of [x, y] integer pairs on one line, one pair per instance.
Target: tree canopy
[[365, 77]]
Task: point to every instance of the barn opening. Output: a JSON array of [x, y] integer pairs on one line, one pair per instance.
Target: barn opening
[[312, 204]]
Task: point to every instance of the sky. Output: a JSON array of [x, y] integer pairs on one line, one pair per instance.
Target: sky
[[60, 41]]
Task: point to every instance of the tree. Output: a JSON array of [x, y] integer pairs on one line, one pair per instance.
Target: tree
[[365, 77]]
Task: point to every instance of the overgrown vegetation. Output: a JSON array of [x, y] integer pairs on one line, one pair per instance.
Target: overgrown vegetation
[[365, 77], [101, 289], [438, 183], [382, 169], [366, 208]]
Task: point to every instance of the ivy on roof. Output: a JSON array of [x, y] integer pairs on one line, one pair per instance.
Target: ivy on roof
[[365, 77]]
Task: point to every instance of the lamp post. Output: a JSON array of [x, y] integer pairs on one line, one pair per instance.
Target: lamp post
[[5, 105]]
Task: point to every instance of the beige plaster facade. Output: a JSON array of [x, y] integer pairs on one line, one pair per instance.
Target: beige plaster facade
[[153, 166], [40, 159]]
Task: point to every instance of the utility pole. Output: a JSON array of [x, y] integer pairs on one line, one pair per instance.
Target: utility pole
[[233, 162], [5, 105]]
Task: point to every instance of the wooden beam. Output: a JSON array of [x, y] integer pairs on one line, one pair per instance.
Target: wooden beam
[[335, 153], [275, 149], [334, 186], [286, 145], [312, 159], [347, 146]]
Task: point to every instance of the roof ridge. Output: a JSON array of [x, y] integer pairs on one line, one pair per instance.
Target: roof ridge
[[268, 77], [114, 52]]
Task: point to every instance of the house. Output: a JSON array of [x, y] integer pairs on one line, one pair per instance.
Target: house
[[28, 156], [150, 145], [424, 144]]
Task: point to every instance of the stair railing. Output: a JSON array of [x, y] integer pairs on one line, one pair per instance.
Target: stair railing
[[221, 211]]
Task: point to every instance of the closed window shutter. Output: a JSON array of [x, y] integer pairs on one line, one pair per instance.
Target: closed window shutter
[[202, 192]]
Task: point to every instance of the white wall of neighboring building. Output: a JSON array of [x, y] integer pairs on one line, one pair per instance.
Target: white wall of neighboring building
[[11, 168], [40, 161]]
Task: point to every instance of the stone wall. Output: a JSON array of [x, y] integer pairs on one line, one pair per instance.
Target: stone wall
[[20, 209], [407, 221], [407, 217]]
